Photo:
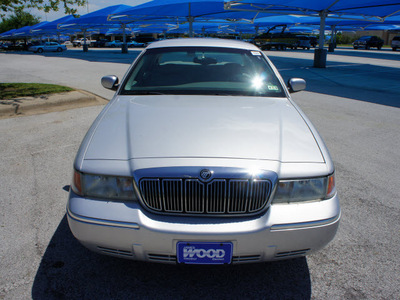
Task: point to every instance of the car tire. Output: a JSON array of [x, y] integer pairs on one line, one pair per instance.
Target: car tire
[[379, 47], [355, 47], [40, 50], [59, 49], [394, 48], [366, 47]]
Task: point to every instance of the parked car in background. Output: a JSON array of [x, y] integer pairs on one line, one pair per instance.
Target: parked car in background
[[80, 42], [133, 44], [48, 47], [368, 42], [395, 44], [303, 41], [313, 41], [4, 45], [100, 43], [67, 43], [114, 44], [202, 157]]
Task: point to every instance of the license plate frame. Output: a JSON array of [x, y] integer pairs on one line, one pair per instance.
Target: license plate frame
[[204, 253]]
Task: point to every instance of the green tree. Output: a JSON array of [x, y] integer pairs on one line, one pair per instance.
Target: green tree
[[48, 5], [18, 20]]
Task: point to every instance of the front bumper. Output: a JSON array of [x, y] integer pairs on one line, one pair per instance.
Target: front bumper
[[127, 230]]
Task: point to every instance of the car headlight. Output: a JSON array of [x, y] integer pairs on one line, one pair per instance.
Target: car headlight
[[312, 189], [102, 186]]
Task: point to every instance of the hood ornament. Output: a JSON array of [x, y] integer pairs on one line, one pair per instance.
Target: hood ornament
[[205, 174]]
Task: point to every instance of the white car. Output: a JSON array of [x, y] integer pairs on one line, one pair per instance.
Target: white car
[[114, 44], [48, 47], [395, 44], [202, 157]]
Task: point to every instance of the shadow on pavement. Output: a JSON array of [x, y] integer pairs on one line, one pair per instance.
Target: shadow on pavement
[[111, 56], [381, 54], [69, 271], [363, 82]]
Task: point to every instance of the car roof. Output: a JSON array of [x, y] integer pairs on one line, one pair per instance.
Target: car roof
[[203, 42]]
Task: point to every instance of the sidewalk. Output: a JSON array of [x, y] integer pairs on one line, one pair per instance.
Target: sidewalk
[[25, 106]]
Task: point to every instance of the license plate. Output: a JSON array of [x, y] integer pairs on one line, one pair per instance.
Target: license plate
[[204, 253]]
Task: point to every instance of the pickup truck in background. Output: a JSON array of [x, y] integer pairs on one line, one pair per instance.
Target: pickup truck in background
[[80, 42]]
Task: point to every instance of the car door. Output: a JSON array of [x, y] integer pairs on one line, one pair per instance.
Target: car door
[[47, 46], [374, 41]]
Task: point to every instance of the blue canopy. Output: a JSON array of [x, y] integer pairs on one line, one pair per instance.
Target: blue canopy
[[7, 34], [369, 8], [165, 15], [51, 27], [97, 18], [181, 10], [26, 31]]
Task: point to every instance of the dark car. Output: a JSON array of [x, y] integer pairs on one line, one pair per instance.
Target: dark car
[[101, 43], [313, 41], [368, 42]]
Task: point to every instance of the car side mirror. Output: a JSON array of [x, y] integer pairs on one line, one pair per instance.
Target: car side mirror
[[296, 85], [110, 82]]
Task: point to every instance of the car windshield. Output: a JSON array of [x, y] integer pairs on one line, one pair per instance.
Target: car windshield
[[202, 71]]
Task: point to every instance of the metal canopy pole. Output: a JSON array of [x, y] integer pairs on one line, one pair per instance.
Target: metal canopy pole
[[85, 46], [320, 53], [332, 42], [124, 47], [323, 15], [191, 20]]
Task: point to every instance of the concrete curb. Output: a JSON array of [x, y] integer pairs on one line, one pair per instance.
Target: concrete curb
[[48, 103]]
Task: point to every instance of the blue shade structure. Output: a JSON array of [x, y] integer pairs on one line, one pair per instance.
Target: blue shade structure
[[371, 10], [182, 11], [7, 34], [97, 20]]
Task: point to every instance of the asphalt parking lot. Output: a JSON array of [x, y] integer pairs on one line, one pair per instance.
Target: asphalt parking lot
[[355, 105]]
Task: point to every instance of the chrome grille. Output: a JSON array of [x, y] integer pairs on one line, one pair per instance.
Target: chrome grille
[[192, 196], [216, 197]]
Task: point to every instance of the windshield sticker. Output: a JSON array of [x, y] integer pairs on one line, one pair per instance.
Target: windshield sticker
[[272, 87], [256, 53]]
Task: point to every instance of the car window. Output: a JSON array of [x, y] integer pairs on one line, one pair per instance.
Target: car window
[[202, 71]]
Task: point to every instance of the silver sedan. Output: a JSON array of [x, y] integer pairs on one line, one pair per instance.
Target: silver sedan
[[48, 47], [202, 157]]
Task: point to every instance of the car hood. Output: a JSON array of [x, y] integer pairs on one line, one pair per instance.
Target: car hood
[[170, 126]]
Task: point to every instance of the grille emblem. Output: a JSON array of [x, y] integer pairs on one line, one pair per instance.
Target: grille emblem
[[205, 174]]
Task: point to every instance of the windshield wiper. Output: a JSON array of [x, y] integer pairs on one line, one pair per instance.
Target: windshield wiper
[[145, 93]]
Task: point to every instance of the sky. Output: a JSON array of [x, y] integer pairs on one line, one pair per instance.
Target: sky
[[93, 6]]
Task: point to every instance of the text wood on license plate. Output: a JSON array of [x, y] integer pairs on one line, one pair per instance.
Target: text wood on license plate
[[204, 252]]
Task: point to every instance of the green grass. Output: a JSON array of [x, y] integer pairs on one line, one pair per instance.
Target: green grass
[[16, 90]]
